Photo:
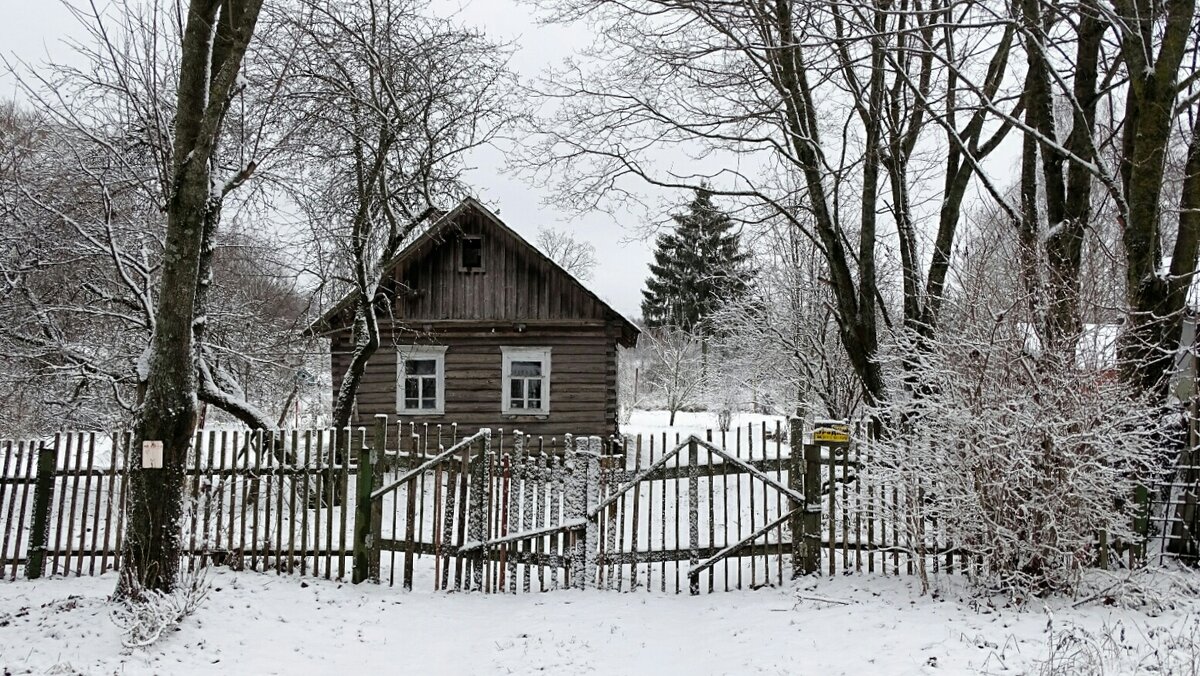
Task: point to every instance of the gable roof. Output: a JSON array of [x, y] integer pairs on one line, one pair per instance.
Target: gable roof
[[436, 234]]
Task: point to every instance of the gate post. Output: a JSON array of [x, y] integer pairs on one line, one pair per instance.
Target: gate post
[[796, 483], [693, 513], [367, 515], [575, 507], [43, 491], [480, 510], [811, 536], [591, 538]]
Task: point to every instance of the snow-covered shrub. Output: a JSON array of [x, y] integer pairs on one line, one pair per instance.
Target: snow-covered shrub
[[144, 615], [1021, 462]]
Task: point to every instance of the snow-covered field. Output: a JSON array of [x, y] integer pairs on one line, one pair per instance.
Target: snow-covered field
[[265, 624], [695, 422]]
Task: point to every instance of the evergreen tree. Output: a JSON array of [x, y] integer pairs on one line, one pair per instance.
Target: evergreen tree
[[697, 268]]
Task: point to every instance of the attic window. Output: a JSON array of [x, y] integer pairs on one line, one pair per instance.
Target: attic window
[[471, 254]]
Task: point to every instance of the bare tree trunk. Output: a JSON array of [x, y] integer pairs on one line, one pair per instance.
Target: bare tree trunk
[[214, 42], [1156, 302]]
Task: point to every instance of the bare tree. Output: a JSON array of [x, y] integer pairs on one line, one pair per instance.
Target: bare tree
[[85, 197], [391, 100], [214, 41], [801, 112], [675, 369], [576, 256], [782, 338]]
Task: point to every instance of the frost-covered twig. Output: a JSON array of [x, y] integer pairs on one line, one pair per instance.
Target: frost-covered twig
[[144, 616]]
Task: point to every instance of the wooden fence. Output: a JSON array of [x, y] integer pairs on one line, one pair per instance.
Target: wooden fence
[[496, 512], [281, 501]]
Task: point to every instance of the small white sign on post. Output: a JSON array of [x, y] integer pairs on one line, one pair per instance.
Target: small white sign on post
[[152, 455]]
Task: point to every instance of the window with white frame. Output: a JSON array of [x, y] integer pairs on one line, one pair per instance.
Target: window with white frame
[[526, 380], [422, 377]]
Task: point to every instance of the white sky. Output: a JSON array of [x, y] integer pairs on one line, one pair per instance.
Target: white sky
[[33, 31]]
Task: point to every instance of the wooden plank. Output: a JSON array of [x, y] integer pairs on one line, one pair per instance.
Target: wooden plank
[[693, 513], [662, 573], [635, 521], [39, 534], [439, 524], [266, 482], [9, 458], [845, 509], [122, 519], [411, 489], [712, 516], [872, 514], [229, 456], [192, 501], [30, 458], [211, 494], [243, 495], [725, 513], [464, 476], [832, 469], [737, 452], [110, 495], [332, 495], [295, 488], [256, 505], [448, 519], [83, 512], [62, 453], [343, 489], [858, 504], [753, 509], [319, 498], [778, 495], [306, 501], [280, 501], [608, 541]]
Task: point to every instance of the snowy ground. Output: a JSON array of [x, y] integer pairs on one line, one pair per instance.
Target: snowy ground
[[264, 624], [694, 422]]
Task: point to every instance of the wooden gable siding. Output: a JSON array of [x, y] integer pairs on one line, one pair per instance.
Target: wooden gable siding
[[583, 379], [515, 284]]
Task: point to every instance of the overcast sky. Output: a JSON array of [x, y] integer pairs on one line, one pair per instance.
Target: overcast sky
[[33, 30]]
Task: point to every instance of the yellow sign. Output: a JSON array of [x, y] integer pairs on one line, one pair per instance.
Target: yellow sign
[[831, 432]]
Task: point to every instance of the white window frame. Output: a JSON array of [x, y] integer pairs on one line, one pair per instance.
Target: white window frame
[[413, 352], [511, 354]]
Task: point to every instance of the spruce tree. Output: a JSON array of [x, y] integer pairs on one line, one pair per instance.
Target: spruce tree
[[697, 268]]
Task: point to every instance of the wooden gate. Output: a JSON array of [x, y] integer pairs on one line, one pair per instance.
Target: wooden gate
[[479, 516]]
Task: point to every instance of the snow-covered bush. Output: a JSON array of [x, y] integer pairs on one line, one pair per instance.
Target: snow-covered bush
[[146, 614], [1021, 462]]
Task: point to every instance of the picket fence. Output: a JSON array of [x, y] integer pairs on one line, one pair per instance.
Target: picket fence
[[419, 507]]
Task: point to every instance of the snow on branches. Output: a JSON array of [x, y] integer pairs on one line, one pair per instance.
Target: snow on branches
[[1028, 465]]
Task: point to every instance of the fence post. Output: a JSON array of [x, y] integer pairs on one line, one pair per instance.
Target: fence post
[[796, 483], [591, 534], [479, 511], [43, 493], [693, 513], [811, 556], [364, 542]]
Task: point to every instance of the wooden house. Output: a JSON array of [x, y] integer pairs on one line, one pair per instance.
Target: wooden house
[[486, 331]]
